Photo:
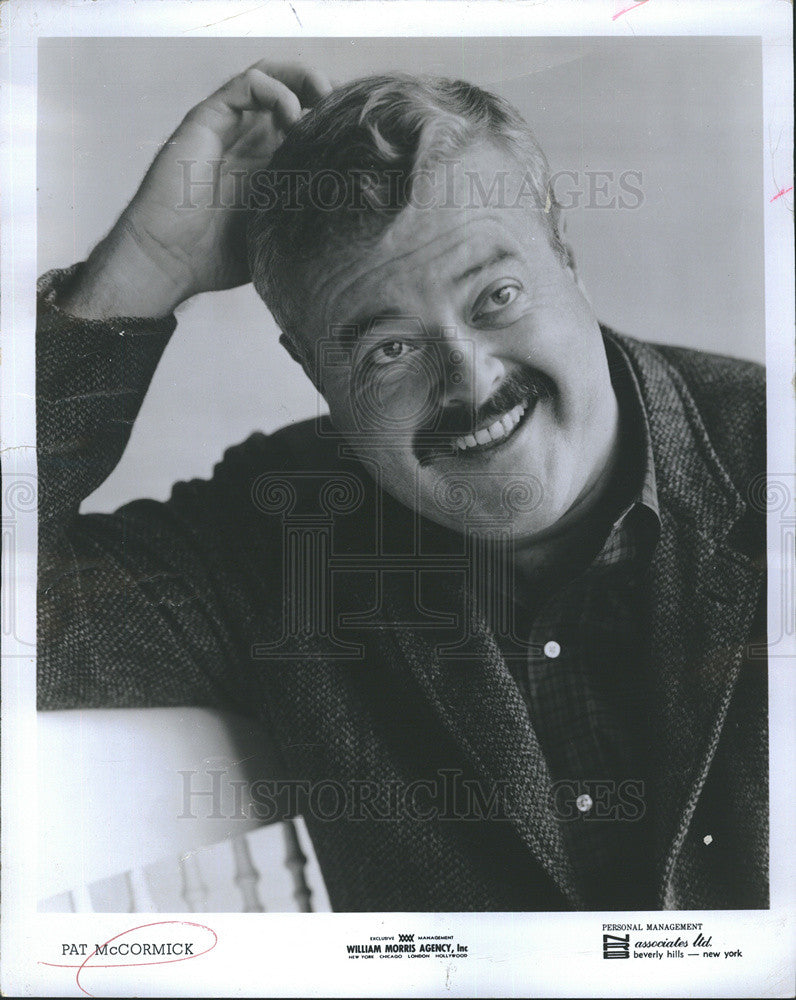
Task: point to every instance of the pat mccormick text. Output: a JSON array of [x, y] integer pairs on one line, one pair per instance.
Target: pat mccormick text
[[166, 948]]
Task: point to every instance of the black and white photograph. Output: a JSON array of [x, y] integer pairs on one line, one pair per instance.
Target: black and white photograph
[[409, 474]]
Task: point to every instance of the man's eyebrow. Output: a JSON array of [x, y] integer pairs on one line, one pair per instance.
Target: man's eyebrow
[[495, 258], [353, 329]]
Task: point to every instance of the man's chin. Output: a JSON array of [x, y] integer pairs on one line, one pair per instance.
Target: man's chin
[[516, 508]]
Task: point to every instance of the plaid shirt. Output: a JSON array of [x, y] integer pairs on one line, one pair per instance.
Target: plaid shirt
[[584, 679]]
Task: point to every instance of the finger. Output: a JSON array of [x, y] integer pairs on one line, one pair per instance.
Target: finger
[[255, 90], [309, 85]]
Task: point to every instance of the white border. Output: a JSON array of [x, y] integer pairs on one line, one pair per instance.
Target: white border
[[293, 955]]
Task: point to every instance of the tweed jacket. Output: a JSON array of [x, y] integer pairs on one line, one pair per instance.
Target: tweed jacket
[[289, 588]]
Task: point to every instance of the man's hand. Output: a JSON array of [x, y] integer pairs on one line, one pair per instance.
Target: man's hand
[[159, 254]]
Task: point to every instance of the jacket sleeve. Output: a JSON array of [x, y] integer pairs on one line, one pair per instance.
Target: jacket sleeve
[[131, 611]]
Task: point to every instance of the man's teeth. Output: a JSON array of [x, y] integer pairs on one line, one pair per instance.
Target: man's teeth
[[501, 428]]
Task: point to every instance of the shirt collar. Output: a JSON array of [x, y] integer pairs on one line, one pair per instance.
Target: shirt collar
[[632, 532], [633, 415]]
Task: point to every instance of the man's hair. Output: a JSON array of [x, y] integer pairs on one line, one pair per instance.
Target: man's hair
[[347, 168]]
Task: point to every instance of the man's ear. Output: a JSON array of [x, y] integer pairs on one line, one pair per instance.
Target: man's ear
[[291, 348], [573, 271], [569, 256], [300, 358]]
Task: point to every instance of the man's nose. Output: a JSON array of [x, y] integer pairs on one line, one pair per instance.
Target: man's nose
[[472, 370]]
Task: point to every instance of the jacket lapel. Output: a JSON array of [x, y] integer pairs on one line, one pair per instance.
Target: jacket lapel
[[481, 707], [703, 598]]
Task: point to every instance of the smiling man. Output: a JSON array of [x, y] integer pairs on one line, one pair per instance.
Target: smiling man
[[439, 266], [504, 600]]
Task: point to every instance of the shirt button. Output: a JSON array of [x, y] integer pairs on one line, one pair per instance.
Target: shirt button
[[551, 649], [584, 802]]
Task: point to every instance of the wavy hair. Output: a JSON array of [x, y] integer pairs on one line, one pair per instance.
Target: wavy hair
[[352, 161]]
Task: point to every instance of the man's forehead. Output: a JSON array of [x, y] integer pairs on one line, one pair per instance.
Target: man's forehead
[[481, 184], [462, 209], [453, 240], [438, 251]]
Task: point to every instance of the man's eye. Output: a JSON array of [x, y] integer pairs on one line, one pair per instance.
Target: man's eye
[[497, 299], [391, 350]]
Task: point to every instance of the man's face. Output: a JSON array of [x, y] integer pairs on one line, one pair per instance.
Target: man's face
[[465, 366]]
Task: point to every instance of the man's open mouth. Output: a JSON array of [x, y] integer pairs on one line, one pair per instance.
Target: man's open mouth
[[499, 430], [492, 434]]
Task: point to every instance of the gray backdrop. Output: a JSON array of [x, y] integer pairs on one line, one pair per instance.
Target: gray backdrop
[[683, 267]]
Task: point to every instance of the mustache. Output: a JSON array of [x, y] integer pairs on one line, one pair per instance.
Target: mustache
[[459, 418]]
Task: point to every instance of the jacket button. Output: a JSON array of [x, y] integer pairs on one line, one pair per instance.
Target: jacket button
[[551, 649], [584, 802]]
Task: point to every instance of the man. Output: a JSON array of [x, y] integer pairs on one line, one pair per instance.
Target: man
[[505, 600]]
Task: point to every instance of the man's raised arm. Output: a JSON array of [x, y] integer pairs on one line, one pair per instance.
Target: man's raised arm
[[127, 608]]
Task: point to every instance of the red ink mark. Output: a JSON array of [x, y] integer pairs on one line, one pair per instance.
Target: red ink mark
[[628, 9], [130, 965], [779, 194]]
